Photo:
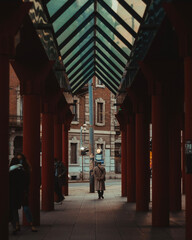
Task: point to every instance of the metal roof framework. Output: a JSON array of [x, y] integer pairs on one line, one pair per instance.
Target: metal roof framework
[[95, 37]]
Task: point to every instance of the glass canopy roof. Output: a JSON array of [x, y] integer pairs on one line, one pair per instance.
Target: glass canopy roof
[[95, 37]]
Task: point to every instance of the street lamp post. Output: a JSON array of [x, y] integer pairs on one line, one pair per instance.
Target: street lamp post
[[83, 149]]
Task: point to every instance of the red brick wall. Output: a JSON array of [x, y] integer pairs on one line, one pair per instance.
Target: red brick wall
[[105, 94], [13, 84]]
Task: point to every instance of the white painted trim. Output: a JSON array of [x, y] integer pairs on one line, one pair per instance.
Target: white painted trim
[[95, 131]]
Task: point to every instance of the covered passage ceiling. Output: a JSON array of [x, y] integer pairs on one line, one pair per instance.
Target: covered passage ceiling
[[95, 37]]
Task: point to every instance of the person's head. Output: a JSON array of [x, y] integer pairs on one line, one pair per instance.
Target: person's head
[[14, 161], [23, 161], [98, 164], [56, 160], [21, 157]]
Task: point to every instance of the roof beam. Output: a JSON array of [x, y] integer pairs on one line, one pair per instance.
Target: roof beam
[[77, 30], [78, 52], [81, 39], [130, 10], [112, 80], [111, 53], [84, 77], [119, 19], [80, 60], [105, 22], [109, 60], [74, 17], [81, 67], [61, 10], [84, 82], [107, 66], [80, 75], [103, 79], [112, 43]]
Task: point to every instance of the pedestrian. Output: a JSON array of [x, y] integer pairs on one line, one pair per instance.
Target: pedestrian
[[99, 175], [25, 201], [60, 179], [16, 191]]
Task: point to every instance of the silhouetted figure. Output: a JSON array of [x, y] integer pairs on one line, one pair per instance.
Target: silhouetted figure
[[60, 179], [99, 175]]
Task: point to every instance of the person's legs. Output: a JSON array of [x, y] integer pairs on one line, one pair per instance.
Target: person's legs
[[99, 194], [102, 194], [60, 195], [14, 219], [28, 216]]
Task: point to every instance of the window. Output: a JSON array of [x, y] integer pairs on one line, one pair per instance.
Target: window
[[99, 83], [100, 112], [74, 111], [73, 153]]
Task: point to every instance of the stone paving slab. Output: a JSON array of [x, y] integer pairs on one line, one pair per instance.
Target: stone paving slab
[[82, 216]]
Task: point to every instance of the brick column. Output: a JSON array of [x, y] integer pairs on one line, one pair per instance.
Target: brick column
[[175, 163], [47, 161], [188, 137], [65, 160], [123, 161], [4, 124], [142, 162], [160, 184], [31, 149], [131, 171]]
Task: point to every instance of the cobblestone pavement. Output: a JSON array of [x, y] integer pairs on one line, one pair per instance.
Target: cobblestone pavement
[[83, 216]]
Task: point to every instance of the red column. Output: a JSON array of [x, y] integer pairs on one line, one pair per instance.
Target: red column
[[31, 149], [188, 136], [160, 184], [47, 162], [65, 155], [142, 163], [131, 171], [4, 121], [175, 164], [123, 162], [183, 161], [57, 139]]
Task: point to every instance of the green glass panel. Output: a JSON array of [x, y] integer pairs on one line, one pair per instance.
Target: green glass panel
[[54, 5], [81, 79], [79, 35], [113, 22], [79, 56], [63, 50], [113, 37], [61, 20], [106, 82], [107, 63], [110, 57], [112, 76], [75, 24], [81, 64], [117, 53], [110, 80], [138, 5]]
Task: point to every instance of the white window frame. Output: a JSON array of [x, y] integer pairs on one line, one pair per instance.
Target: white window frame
[[74, 140], [99, 100], [76, 122], [98, 84]]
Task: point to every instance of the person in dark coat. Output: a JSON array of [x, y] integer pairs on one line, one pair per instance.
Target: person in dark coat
[[99, 175], [25, 201], [60, 179], [16, 190]]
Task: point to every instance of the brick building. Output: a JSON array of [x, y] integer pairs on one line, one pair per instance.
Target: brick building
[[106, 131]]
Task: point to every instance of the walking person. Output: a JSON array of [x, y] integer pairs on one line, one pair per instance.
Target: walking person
[[16, 191], [99, 174], [60, 179], [25, 201]]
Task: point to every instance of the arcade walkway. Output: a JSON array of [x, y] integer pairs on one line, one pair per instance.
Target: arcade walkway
[[84, 217]]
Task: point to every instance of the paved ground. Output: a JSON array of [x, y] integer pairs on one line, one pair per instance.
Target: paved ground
[[83, 216]]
